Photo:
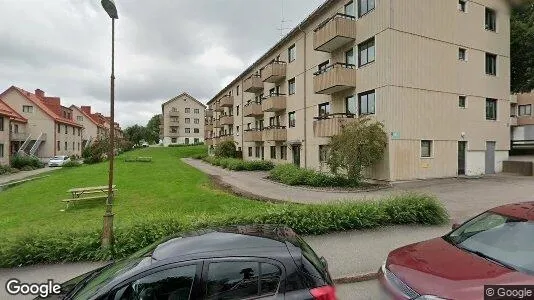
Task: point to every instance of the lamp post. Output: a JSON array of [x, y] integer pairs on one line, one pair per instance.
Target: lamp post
[[107, 232]]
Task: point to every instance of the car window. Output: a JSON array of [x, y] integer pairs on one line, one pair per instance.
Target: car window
[[242, 280], [172, 284]]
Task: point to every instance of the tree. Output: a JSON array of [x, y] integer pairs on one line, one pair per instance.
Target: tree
[[152, 130], [226, 149], [360, 144], [522, 47], [135, 134]]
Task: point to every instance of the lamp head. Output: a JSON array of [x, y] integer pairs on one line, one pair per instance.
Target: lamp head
[[110, 7]]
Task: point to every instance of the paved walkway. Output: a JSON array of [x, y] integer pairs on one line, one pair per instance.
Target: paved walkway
[[463, 197], [24, 174]]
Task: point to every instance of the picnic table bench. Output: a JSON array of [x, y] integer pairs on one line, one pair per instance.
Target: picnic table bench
[[82, 194], [139, 159]]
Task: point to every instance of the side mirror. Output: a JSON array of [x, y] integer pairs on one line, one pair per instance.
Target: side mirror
[[455, 225]]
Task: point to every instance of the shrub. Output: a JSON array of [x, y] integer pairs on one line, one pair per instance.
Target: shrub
[[25, 163], [226, 149], [293, 175], [95, 152], [184, 145], [7, 170], [34, 248], [72, 164], [199, 156], [236, 164]]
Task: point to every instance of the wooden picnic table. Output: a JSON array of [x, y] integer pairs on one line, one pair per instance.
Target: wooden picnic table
[[80, 194]]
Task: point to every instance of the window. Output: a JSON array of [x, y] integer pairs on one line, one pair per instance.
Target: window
[[79, 118], [366, 52], [197, 111], [462, 54], [365, 6], [291, 53], [462, 101], [257, 151], [367, 103], [27, 108], [237, 129], [1, 124], [349, 57], [350, 105], [188, 130], [237, 90], [323, 153], [196, 140], [273, 152], [525, 110], [73, 145], [491, 64], [66, 129], [249, 151], [196, 130], [462, 5], [491, 109], [1, 150], [79, 132], [187, 110], [324, 109], [291, 119], [174, 129], [175, 283], [173, 140], [291, 86], [237, 110], [73, 131], [491, 19], [187, 120], [78, 146], [196, 121], [187, 141], [426, 148], [58, 128], [349, 9], [241, 280], [283, 152], [58, 146], [66, 146], [174, 109]]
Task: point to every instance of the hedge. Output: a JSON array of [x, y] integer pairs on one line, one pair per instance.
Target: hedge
[[293, 175], [304, 219], [236, 164], [26, 163]]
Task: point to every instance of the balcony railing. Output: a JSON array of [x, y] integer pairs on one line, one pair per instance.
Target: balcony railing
[[174, 134], [334, 78], [174, 113], [333, 33], [253, 84], [274, 72], [209, 113], [208, 126], [18, 136], [217, 107], [226, 101], [332, 124], [274, 103], [227, 120], [252, 135], [252, 109], [274, 133], [217, 123], [226, 138]]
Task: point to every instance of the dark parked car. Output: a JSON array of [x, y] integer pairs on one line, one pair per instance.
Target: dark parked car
[[240, 262], [494, 248]]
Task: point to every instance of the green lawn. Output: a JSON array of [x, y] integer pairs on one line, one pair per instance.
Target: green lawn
[[166, 188]]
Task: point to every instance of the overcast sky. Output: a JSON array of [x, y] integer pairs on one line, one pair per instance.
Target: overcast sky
[[163, 47]]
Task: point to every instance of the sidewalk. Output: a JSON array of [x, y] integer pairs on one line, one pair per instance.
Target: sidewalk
[[24, 174]]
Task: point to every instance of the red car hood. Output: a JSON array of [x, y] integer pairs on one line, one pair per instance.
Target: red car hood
[[438, 268]]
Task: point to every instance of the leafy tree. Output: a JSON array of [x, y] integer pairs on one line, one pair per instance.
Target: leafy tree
[[522, 47], [152, 130], [135, 134], [360, 144], [226, 149]]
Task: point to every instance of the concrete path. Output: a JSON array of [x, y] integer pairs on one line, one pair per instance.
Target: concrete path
[[24, 174], [463, 197]]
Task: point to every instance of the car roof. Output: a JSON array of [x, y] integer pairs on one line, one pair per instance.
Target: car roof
[[524, 210]]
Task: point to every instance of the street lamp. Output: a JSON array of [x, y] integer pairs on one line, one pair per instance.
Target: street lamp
[[107, 232]]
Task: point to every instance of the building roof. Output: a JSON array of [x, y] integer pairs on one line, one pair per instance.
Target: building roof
[[316, 13], [7, 111], [182, 94], [91, 117], [41, 105]]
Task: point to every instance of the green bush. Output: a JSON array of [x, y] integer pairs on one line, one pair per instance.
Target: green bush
[[95, 152], [199, 156], [293, 175], [226, 149], [34, 248], [185, 145], [7, 170], [236, 164], [71, 164], [24, 162]]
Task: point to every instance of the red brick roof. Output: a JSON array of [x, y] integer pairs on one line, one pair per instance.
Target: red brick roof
[[49, 109], [7, 111]]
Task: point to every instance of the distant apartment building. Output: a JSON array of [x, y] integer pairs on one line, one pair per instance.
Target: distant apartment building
[[522, 120], [182, 121], [436, 73], [12, 132], [50, 128], [93, 127]]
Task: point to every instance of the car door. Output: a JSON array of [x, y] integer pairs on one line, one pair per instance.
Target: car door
[[242, 278], [172, 282]]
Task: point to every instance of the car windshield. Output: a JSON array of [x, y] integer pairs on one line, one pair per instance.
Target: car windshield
[[505, 240]]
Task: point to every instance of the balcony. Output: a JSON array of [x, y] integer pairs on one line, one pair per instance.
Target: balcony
[[226, 138], [208, 126], [274, 103], [253, 84], [335, 32], [252, 135], [334, 78], [217, 107], [226, 101], [174, 113], [18, 136], [252, 109], [274, 133], [274, 72], [174, 134], [227, 120], [217, 123], [330, 125], [209, 113]]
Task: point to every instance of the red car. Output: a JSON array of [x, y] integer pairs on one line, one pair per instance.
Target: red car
[[494, 248]]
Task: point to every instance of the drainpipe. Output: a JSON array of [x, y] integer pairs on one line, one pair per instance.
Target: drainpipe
[[241, 108], [305, 106], [55, 137]]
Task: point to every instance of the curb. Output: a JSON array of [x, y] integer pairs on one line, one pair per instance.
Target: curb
[[356, 278]]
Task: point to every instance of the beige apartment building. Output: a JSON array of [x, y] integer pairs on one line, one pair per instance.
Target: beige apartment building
[[50, 129], [435, 72], [12, 132], [93, 129], [522, 120], [182, 121]]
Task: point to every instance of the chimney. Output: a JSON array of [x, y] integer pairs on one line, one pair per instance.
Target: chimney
[[40, 93], [86, 109]]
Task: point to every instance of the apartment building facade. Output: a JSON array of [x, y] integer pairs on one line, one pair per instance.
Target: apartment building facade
[[435, 73], [12, 132], [50, 128], [93, 128], [522, 120], [182, 121]]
